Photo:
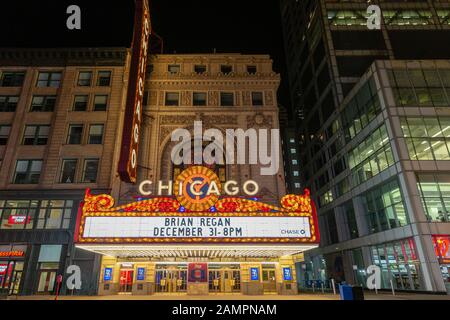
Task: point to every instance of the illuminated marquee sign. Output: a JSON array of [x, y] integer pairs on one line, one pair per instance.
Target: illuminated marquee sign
[[191, 218], [133, 112]]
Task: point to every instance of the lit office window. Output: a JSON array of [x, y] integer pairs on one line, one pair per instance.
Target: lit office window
[[385, 208], [43, 104], [295, 162], [36, 135], [8, 103], [427, 138], [293, 151], [17, 214], [435, 194], [297, 185], [296, 173], [85, 79], [27, 172], [49, 79]]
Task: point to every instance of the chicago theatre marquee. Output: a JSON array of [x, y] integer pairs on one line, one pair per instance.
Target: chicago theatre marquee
[[197, 242], [199, 229]]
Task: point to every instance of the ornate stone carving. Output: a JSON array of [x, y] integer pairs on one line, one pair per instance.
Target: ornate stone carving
[[153, 98], [269, 98], [178, 120], [259, 120], [213, 98], [246, 99]]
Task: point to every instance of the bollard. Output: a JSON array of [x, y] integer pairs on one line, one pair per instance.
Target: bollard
[[334, 286], [392, 287], [323, 288]]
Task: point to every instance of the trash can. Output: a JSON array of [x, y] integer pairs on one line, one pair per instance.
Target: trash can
[[358, 293], [346, 292]]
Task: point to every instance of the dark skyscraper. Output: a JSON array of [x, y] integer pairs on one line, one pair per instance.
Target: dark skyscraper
[[372, 109]]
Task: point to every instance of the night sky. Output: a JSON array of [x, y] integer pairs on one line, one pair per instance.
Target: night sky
[[187, 26]]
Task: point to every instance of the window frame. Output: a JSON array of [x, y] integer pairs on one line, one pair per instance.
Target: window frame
[[37, 135], [85, 162], [222, 96], [80, 82], [94, 136], [63, 162], [69, 135], [28, 172]]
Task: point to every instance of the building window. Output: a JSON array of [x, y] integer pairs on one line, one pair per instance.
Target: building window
[[4, 134], [104, 79], [18, 214], [12, 79], [350, 218], [200, 69], [385, 208], [36, 135], [257, 99], [85, 79], [295, 162], [27, 172], [8, 103], [331, 227], [55, 214], [251, 69], [297, 185], [227, 99], [226, 69], [435, 194], [96, 134], [75, 134], [49, 79], [292, 140], [427, 138], [199, 99], [293, 151], [80, 103], [174, 68], [68, 170], [43, 104], [172, 99], [100, 103], [90, 170], [296, 173]]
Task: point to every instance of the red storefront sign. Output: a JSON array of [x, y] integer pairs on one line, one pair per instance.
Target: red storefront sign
[[133, 111], [19, 220], [198, 272], [12, 254]]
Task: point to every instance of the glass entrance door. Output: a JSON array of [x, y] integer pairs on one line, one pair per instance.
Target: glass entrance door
[[16, 278], [171, 281], [224, 281], [269, 281], [126, 281], [47, 281]]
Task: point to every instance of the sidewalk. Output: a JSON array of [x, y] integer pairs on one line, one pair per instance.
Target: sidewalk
[[306, 297]]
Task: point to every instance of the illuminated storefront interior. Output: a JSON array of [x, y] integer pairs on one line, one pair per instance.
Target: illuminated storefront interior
[[197, 244]]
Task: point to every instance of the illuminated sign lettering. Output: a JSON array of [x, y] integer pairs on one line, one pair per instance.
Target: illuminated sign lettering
[[19, 220], [254, 274], [133, 112], [12, 254]]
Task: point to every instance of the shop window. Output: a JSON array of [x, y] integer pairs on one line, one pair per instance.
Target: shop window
[[4, 134], [100, 103], [75, 134], [96, 134], [12, 79], [36, 135], [49, 79], [84, 79], [90, 170], [18, 214], [43, 104], [442, 248], [54, 214], [104, 78], [199, 99], [80, 103], [27, 172], [8, 103], [68, 170]]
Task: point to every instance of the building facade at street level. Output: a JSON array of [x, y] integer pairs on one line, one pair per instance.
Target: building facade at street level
[[60, 112], [196, 254], [372, 108]]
